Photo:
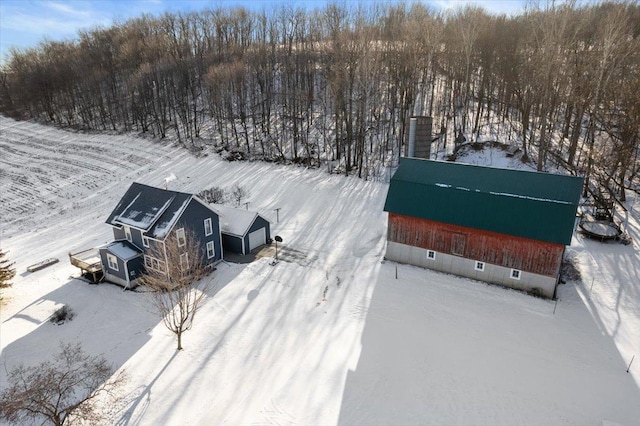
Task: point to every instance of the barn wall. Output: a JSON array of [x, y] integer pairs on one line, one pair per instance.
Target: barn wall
[[464, 267], [537, 257]]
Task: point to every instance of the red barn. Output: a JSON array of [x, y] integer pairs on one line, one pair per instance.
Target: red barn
[[507, 227]]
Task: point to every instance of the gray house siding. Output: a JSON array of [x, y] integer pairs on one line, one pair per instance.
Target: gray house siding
[[136, 236], [136, 269], [128, 270], [193, 219], [120, 273], [118, 277], [118, 234]]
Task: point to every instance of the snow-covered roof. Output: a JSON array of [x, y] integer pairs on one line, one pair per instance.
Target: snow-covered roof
[[235, 221], [150, 209], [123, 250]]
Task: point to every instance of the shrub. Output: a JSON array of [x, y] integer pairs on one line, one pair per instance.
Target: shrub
[[215, 195], [62, 315]]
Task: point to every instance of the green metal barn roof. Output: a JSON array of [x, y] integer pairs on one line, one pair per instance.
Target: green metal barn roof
[[539, 206]]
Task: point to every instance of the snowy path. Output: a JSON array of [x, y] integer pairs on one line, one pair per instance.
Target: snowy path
[[328, 338]]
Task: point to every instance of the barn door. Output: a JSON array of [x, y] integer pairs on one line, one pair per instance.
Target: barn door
[[457, 244]]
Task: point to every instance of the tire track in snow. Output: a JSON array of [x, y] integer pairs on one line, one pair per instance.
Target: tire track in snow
[[51, 171]]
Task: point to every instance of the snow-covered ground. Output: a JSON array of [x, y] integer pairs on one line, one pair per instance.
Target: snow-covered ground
[[328, 336]]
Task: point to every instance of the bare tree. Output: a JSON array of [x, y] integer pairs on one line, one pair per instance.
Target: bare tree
[[61, 390], [214, 195], [239, 193], [178, 283]]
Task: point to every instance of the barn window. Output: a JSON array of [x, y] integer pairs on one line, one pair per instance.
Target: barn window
[[515, 274], [113, 262], [181, 238], [479, 266], [210, 250], [127, 233], [208, 229], [431, 255]]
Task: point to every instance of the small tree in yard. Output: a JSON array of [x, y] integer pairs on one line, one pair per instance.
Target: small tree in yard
[[178, 285], [238, 193], [61, 390], [7, 271]]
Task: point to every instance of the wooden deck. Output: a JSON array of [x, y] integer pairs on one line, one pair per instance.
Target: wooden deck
[[89, 263]]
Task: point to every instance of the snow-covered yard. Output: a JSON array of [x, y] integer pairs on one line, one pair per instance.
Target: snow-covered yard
[[329, 336]]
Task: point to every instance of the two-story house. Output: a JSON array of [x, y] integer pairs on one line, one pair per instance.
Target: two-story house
[[142, 222]]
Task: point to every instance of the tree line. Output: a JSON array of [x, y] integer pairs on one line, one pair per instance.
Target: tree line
[[339, 83]]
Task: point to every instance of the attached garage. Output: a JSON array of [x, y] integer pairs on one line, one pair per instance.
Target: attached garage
[[242, 230]]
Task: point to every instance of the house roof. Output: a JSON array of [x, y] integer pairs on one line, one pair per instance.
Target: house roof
[[123, 250], [152, 210], [235, 221], [533, 205]]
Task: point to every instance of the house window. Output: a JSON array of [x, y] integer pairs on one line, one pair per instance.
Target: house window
[[431, 255], [153, 263], [127, 233], [145, 241], [208, 229], [479, 266], [210, 250], [516, 274], [181, 238], [113, 262], [184, 261]]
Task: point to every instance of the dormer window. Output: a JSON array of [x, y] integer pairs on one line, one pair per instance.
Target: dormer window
[[127, 233], [182, 240], [145, 241]]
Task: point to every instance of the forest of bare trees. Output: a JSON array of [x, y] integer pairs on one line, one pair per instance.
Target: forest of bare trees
[[338, 84]]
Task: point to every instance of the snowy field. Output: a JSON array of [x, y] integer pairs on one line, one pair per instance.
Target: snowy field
[[328, 337]]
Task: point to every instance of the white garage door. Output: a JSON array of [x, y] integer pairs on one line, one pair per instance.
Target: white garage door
[[257, 238]]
